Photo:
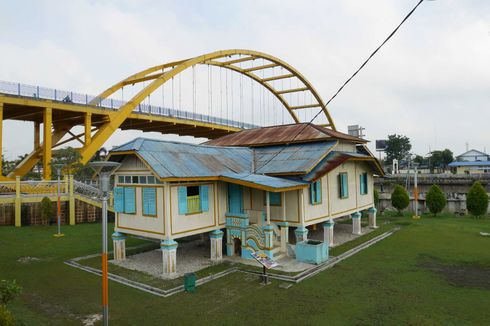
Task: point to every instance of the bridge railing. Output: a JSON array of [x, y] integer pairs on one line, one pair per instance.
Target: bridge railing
[[38, 92]]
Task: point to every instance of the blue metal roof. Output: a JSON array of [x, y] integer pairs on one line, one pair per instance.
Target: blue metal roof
[[295, 158], [182, 160], [170, 159], [473, 163]]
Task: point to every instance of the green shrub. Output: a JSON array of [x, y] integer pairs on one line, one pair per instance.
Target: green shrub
[[477, 200], [8, 291], [435, 199], [399, 198], [46, 210], [6, 318], [376, 197]]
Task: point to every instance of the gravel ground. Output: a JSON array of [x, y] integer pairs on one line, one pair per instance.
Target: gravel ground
[[194, 256], [191, 257]]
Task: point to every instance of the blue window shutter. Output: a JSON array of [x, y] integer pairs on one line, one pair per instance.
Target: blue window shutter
[[312, 193], [365, 183], [182, 200], [361, 184], [346, 186], [119, 199], [129, 200], [318, 192], [149, 201], [203, 193], [275, 198]]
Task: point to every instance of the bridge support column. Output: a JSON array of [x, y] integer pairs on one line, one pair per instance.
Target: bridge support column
[[37, 135], [88, 128], [356, 223], [71, 200], [169, 256], [119, 241], [47, 142], [216, 237], [18, 202]]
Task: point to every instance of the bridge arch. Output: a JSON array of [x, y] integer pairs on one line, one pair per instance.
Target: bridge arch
[[223, 59]]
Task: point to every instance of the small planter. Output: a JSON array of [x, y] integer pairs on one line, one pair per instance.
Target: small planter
[[312, 251]]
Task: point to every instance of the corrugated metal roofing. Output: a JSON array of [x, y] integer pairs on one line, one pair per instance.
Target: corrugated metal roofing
[[265, 180], [334, 159], [295, 158], [474, 163], [284, 134], [180, 160]]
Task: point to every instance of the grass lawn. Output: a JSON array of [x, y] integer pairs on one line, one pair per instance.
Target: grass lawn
[[433, 271]]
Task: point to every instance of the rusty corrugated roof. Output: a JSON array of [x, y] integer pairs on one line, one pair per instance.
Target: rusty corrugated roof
[[284, 134]]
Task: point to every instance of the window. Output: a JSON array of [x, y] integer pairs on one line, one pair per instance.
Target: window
[[125, 200], [363, 183], [274, 198], [343, 185], [135, 179], [316, 192], [193, 199], [148, 198]]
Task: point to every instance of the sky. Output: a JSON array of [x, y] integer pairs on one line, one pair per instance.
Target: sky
[[431, 82]]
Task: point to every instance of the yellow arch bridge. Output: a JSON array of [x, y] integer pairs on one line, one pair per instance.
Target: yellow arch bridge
[[61, 111]]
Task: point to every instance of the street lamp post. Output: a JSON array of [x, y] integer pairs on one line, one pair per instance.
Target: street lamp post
[[58, 206], [104, 168]]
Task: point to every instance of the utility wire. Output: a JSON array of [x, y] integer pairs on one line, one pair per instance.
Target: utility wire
[[344, 84]]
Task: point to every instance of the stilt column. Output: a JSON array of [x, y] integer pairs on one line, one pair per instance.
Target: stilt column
[[372, 217], [230, 244], [301, 234], [328, 232], [284, 236], [269, 240], [169, 256], [356, 223], [216, 237], [119, 242]]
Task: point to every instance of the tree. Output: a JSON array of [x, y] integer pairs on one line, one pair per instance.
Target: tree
[[419, 159], [8, 291], [440, 159], [399, 198], [435, 199], [376, 197], [46, 210], [477, 200], [397, 147]]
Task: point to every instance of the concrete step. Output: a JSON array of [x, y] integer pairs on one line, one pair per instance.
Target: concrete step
[[279, 256]]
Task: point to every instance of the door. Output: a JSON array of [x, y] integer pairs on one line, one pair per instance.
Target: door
[[235, 198]]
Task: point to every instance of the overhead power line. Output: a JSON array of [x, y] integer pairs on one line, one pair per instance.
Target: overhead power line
[[346, 82]]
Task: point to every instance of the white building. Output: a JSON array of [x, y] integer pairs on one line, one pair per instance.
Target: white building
[[257, 185]]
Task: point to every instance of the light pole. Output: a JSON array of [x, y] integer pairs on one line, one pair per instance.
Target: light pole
[[104, 169], [416, 193], [58, 206]]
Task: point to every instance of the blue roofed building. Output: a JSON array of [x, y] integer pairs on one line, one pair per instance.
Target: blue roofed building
[[258, 189]]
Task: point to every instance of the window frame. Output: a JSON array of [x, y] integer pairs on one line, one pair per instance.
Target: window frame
[[363, 184], [317, 185], [270, 199], [341, 196], [143, 201]]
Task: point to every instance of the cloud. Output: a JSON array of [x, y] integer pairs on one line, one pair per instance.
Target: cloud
[[430, 82]]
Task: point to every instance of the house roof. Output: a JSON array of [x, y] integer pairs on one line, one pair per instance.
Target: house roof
[[284, 134], [472, 163], [257, 167], [335, 158]]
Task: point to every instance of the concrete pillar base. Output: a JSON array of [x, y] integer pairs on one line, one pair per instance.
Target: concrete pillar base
[[119, 242], [216, 238], [372, 217], [301, 233], [356, 223], [328, 232], [169, 256]]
